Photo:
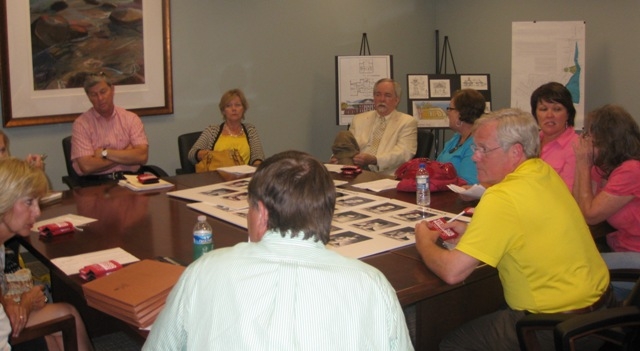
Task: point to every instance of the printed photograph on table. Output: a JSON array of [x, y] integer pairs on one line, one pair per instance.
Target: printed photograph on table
[[349, 216], [402, 234], [374, 225], [384, 208], [413, 216], [346, 238], [353, 201]]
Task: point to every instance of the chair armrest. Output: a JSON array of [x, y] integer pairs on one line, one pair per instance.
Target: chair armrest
[[624, 274], [65, 324], [593, 322], [527, 327]]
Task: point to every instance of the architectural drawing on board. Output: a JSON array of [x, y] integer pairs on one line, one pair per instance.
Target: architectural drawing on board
[[418, 86], [474, 82], [440, 88], [545, 52], [355, 78]]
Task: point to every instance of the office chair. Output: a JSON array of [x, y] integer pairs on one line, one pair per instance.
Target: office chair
[[65, 324], [185, 142], [73, 180], [618, 326], [425, 143]]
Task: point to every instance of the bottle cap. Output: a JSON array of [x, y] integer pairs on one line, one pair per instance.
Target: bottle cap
[[422, 165], [202, 218]]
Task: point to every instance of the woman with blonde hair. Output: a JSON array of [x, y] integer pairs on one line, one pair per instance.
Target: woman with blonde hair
[[21, 187], [232, 133]]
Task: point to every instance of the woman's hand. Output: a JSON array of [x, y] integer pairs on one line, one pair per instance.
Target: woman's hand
[[34, 299], [18, 316], [36, 161], [583, 149]]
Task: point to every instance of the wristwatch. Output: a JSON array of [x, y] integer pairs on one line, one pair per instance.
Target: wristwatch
[[104, 153]]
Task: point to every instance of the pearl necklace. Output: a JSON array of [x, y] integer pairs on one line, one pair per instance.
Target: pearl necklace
[[240, 133]]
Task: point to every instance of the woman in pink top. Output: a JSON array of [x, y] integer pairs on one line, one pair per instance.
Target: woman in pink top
[[606, 181], [552, 106]]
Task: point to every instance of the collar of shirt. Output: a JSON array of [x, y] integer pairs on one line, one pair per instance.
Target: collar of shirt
[[272, 237]]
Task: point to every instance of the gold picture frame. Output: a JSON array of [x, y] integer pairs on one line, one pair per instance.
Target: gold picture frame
[[24, 105]]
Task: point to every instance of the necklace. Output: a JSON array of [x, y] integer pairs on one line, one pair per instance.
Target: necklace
[[239, 133], [460, 143]]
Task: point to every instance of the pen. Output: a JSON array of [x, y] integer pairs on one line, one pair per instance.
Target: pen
[[456, 216]]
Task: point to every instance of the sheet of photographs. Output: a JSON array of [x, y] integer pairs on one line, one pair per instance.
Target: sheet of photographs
[[363, 224]]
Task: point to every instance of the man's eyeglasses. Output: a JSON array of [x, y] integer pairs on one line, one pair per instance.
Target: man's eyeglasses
[[449, 108], [481, 149]]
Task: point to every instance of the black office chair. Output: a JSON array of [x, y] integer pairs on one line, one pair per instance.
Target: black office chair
[[618, 326], [73, 180], [185, 142], [425, 143]]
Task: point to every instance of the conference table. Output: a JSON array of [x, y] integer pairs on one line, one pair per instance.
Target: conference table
[[153, 224]]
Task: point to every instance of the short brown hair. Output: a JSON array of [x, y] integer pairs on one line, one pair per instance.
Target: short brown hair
[[298, 192]]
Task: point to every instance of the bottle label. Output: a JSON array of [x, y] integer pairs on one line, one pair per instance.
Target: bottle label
[[421, 183], [202, 237]]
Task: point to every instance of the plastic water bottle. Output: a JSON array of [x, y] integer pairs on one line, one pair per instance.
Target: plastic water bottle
[[202, 237], [423, 195]]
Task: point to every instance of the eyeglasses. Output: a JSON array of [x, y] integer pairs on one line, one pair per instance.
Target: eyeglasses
[[449, 108], [481, 149]]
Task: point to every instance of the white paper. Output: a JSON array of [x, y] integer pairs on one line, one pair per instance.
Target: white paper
[[132, 183], [242, 169], [474, 192], [337, 183], [363, 224], [333, 167], [72, 264], [378, 185], [76, 220]]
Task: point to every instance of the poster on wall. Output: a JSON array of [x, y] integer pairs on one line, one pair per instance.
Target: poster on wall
[[545, 52], [355, 77], [429, 95]]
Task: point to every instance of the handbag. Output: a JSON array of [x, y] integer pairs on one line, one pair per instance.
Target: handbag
[[217, 159], [441, 174]]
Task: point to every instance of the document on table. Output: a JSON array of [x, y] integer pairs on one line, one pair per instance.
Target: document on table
[[242, 169], [333, 167], [76, 220], [71, 264], [475, 191], [378, 185]]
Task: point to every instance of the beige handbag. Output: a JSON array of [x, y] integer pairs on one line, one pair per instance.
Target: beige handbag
[[216, 159]]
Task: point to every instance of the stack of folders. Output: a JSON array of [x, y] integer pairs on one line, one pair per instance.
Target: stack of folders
[[134, 294]]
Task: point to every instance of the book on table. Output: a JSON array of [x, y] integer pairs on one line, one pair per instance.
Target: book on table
[[135, 293]]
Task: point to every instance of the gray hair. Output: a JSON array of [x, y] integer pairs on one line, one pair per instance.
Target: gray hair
[[514, 126], [396, 86]]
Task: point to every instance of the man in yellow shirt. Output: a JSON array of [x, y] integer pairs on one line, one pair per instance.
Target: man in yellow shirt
[[529, 227]]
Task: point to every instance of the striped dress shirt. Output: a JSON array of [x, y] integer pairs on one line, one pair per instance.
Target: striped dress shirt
[[282, 293]]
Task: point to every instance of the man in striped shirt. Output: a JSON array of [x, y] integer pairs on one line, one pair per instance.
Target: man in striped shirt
[[107, 138], [283, 290]]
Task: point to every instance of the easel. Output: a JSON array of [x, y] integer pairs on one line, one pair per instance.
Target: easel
[[364, 46], [440, 60]]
